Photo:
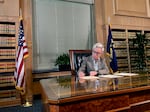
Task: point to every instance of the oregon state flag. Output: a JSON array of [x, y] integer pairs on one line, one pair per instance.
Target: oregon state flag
[[111, 52]]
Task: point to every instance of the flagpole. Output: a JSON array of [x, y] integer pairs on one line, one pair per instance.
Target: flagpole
[[111, 51], [109, 20], [27, 102], [24, 98], [108, 54]]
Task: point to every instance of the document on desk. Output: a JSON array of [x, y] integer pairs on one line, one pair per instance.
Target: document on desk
[[110, 76], [125, 74], [89, 77]]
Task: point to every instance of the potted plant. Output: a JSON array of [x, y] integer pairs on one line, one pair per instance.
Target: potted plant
[[63, 62], [139, 44]]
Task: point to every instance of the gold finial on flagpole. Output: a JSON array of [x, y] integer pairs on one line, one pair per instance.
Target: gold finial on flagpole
[[109, 24], [20, 14], [109, 20]]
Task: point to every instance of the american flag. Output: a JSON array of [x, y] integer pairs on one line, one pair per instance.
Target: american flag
[[21, 54]]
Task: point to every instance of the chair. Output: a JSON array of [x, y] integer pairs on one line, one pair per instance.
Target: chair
[[76, 58]]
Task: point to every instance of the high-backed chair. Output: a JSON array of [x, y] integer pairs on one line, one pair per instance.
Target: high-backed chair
[[76, 58]]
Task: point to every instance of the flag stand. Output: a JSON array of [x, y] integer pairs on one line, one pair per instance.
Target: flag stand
[[24, 101], [27, 104]]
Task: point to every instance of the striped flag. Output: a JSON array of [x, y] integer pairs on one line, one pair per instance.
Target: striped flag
[[111, 52], [22, 53]]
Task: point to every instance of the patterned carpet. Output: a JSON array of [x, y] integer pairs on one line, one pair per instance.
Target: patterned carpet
[[36, 107]]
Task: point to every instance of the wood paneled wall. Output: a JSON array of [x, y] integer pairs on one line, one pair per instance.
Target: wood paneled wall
[[130, 14], [9, 8], [122, 14]]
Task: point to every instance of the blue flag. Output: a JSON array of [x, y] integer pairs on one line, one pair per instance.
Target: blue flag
[[111, 52]]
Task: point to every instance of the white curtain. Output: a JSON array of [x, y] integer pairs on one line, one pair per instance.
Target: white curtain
[[57, 27]]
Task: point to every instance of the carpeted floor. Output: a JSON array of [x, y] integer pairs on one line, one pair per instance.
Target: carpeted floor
[[36, 107]]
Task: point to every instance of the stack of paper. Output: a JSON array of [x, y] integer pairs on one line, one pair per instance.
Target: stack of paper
[[89, 77], [125, 74], [110, 76]]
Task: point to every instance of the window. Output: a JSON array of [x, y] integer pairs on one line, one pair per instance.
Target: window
[[60, 25]]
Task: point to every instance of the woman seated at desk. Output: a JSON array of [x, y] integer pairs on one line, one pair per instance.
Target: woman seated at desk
[[95, 64]]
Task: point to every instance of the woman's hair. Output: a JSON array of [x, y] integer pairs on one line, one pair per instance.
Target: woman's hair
[[98, 45]]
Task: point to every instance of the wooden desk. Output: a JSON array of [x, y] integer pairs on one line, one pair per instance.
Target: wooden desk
[[64, 94], [39, 76]]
